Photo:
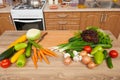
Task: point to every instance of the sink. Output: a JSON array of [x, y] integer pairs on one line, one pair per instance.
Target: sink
[[101, 4]]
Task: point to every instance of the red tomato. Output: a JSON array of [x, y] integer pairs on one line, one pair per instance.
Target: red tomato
[[5, 63], [113, 54], [88, 49]]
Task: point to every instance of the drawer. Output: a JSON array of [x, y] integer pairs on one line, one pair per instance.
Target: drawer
[[62, 27], [60, 15], [62, 21]]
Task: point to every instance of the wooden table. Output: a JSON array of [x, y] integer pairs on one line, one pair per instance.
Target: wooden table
[[56, 70]]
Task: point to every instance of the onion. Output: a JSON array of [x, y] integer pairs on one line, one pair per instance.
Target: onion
[[86, 59], [83, 53], [91, 65], [67, 61]]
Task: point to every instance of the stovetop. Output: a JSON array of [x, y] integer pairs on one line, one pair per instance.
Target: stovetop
[[24, 6]]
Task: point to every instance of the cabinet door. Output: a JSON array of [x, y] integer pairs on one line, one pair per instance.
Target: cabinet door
[[90, 19], [112, 22], [6, 22]]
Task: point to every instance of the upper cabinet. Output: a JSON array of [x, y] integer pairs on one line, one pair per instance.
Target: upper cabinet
[[5, 22]]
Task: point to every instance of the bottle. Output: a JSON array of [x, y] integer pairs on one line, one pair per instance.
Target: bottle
[[81, 4]]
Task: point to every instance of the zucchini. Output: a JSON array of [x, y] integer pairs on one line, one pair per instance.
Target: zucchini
[[28, 50], [7, 53]]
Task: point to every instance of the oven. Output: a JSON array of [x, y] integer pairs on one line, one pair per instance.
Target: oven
[[25, 16], [25, 24]]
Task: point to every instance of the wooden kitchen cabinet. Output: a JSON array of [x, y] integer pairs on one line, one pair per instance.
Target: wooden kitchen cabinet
[[62, 20], [90, 19], [5, 22], [105, 20], [112, 22]]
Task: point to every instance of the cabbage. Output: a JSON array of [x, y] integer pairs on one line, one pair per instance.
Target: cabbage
[[33, 34]]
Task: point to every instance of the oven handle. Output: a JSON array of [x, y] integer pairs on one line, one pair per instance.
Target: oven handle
[[27, 21]]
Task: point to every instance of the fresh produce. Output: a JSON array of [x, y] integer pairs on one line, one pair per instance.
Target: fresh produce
[[21, 61], [99, 57], [28, 50], [105, 54], [91, 65], [109, 62], [33, 34], [87, 48], [5, 63], [34, 44], [86, 59], [41, 53], [7, 53], [113, 54], [16, 55], [20, 46], [96, 49], [67, 61], [18, 40], [83, 53], [90, 36]]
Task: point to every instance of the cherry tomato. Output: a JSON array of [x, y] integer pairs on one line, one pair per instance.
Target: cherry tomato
[[88, 49], [5, 63], [113, 54]]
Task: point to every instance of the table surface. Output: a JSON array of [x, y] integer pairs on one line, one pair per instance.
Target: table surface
[[56, 70]]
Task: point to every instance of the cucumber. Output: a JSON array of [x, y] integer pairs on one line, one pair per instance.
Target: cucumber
[[20, 46], [21, 61], [7, 53], [109, 62], [28, 50]]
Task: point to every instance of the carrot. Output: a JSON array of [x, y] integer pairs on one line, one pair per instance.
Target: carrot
[[47, 53], [34, 61], [22, 38], [44, 57], [51, 52], [35, 53], [39, 55]]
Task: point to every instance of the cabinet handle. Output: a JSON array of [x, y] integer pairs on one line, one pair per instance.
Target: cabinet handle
[[62, 15], [62, 22], [105, 18], [102, 18]]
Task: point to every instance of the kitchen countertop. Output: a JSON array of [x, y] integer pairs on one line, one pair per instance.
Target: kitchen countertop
[[69, 9], [46, 9], [6, 9], [56, 70]]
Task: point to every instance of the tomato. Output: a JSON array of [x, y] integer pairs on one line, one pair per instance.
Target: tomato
[[88, 49], [113, 54], [5, 63]]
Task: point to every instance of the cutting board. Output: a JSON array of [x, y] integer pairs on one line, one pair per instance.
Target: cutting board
[[56, 70]]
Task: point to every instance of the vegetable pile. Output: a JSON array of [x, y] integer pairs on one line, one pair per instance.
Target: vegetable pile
[[24, 47], [89, 47]]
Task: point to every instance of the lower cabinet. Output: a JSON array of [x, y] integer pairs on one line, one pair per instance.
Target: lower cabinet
[[5, 22], [62, 20], [107, 20], [112, 22]]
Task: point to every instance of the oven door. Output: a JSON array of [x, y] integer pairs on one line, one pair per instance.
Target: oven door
[[25, 24]]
